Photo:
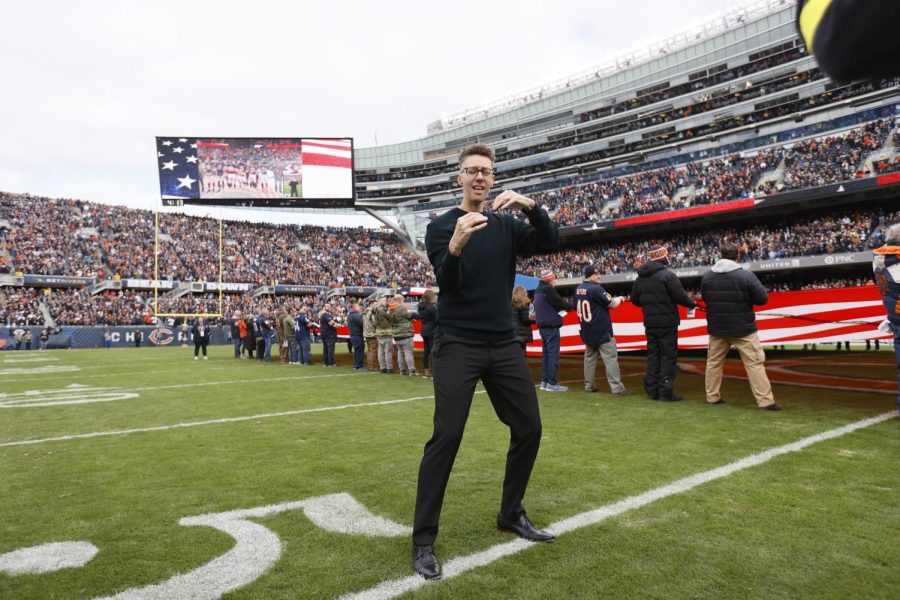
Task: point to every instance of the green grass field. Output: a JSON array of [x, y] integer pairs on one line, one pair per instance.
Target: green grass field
[[176, 438]]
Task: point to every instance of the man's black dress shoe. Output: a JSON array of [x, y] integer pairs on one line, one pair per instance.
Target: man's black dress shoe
[[523, 528], [425, 563]]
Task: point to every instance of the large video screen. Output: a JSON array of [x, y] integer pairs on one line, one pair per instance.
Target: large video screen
[[256, 172]]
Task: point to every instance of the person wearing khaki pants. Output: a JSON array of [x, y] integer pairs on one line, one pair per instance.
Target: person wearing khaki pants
[[730, 293], [753, 357]]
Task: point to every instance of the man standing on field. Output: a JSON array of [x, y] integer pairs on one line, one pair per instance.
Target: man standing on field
[[474, 258]]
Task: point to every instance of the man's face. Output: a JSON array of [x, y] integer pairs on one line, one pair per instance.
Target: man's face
[[475, 188], [595, 278]]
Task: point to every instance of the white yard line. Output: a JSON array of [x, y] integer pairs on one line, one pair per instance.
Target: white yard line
[[170, 372], [457, 566], [117, 432]]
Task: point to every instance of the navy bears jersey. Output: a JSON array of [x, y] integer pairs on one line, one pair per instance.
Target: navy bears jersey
[[592, 305]]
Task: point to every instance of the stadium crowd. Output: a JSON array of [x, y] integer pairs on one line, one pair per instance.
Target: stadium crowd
[[805, 164], [702, 101], [823, 232], [763, 112], [805, 235]]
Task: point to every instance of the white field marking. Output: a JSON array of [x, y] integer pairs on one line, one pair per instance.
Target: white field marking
[[257, 548], [47, 558], [41, 370], [238, 381], [73, 394], [206, 383], [14, 360], [456, 566], [123, 374], [289, 413]]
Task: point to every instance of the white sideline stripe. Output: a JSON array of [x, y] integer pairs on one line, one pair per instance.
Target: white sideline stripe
[[288, 413], [230, 382], [456, 566]]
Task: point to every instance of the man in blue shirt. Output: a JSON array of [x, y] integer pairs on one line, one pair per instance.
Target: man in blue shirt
[[592, 304]]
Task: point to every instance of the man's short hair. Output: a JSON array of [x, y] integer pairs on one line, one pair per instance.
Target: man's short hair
[[729, 251], [477, 150]]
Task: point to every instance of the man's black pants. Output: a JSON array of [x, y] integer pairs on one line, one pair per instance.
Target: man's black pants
[[457, 365], [662, 352]]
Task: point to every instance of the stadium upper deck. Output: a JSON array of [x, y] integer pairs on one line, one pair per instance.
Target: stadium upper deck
[[746, 74]]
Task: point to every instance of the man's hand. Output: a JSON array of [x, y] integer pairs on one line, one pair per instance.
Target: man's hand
[[511, 199], [466, 225]]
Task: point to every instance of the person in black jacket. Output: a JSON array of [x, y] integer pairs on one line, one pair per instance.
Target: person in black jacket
[[355, 325], [521, 304], [730, 293], [427, 315], [548, 310], [852, 39], [473, 253], [200, 335], [658, 293]]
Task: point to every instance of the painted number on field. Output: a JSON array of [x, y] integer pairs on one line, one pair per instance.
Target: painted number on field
[[257, 548], [73, 394], [46, 370]]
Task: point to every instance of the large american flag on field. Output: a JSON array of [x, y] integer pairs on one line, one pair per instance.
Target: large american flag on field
[[802, 317], [327, 168], [179, 168]]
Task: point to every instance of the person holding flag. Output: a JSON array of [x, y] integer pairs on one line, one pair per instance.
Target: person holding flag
[[592, 304]]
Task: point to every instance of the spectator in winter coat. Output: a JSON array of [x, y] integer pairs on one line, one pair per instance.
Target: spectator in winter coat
[[289, 327], [427, 314], [329, 323], [356, 325], [383, 333], [200, 332], [301, 334], [370, 339], [730, 293], [403, 332], [521, 305], [548, 309], [658, 293], [886, 269]]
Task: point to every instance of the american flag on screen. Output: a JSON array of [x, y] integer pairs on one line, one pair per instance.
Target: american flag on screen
[[327, 168], [179, 168]]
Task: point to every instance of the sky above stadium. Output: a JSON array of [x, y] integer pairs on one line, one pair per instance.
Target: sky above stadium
[[88, 85]]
